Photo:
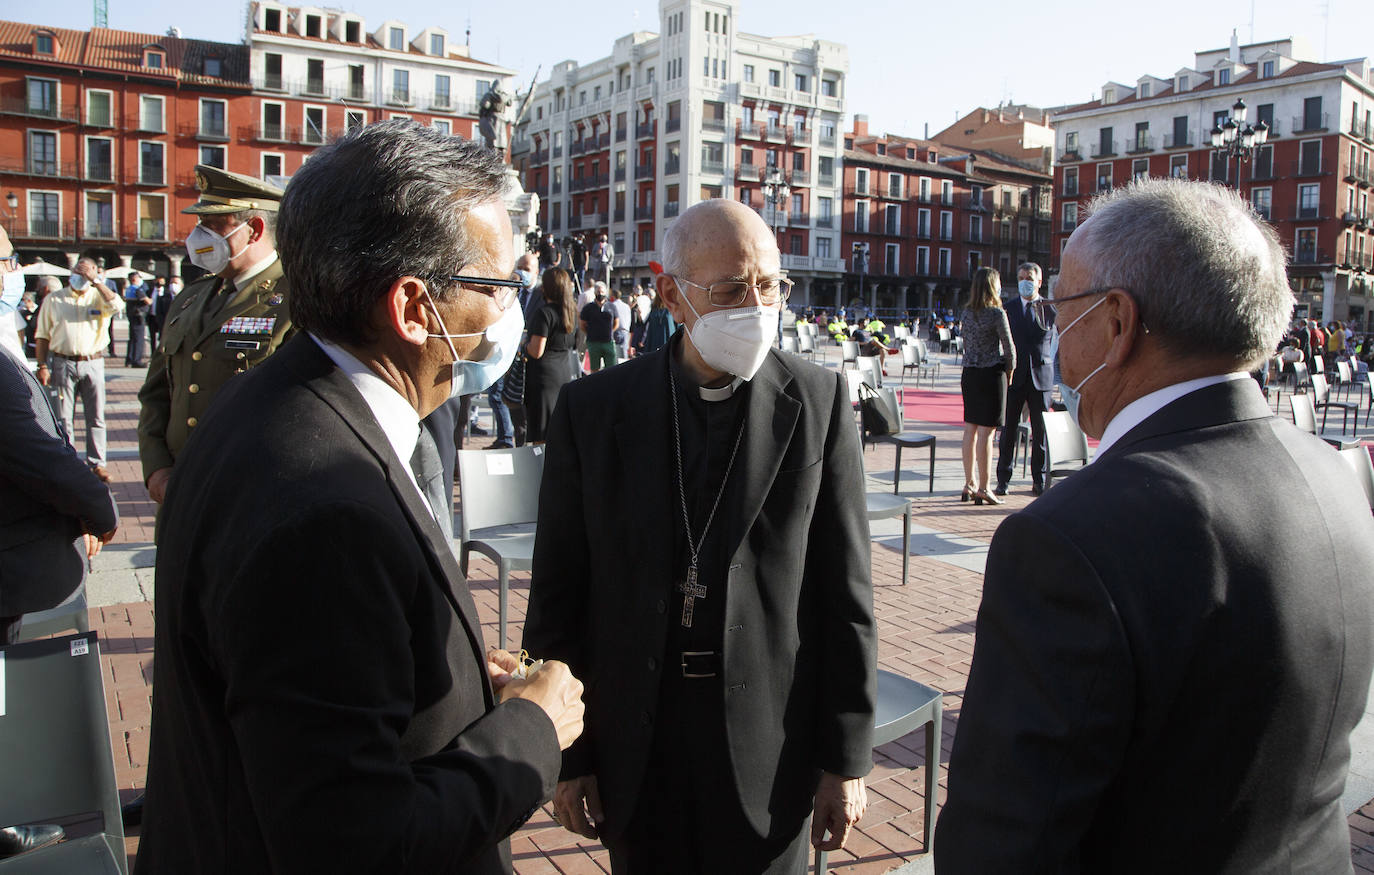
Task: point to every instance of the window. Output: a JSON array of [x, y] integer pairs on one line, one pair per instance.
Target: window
[[396, 39], [441, 90], [924, 189], [1262, 199], [923, 222], [312, 131], [861, 217], [946, 191], [798, 244], [212, 118], [1142, 136], [892, 219], [1105, 144], [272, 71], [43, 43], [1071, 142], [975, 229], [212, 66], [799, 82], [1181, 83], [748, 72], [1309, 201], [825, 211], [825, 166], [213, 156], [799, 162], [1180, 135], [946, 225], [1104, 177], [1140, 169], [151, 164], [1178, 166], [314, 76], [646, 239], [829, 88], [1312, 118], [154, 59], [891, 259], [100, 159], [712, 158], [353, 32], [443, 126], [944, 262], [1224, 76], [400, 86], [1221, 167], [860, 180], [775, 78], [1310, 157], [1264, 163], [43, 153], [1070, 181], [1267, 70], [436, 44], [99, 214], [98, 109], [354, 118], [272, 164], [823, 247], [355, 82], [272, 121], [1070, 217], [923, 260], [45, 214], [1143, 91], [1305, 252], [152, 217], [312, 26], [271, 20], [43, 97]]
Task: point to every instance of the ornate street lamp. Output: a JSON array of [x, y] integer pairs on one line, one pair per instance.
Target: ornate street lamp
[[1237, 139], [12, 200], [775, 191]]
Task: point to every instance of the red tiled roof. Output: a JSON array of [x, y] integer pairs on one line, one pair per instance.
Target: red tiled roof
[[122, 52], [1301, 68]]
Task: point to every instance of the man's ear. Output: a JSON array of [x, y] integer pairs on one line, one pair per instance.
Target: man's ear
[[672, 296], [1124, 326], [404, 310], [256, 229]]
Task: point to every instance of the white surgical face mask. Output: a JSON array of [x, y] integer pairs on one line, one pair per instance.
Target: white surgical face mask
[[1026, 288], [502, 339], [208, 250], [1073, 397], [78, 282], [13, 292], [735, 340]]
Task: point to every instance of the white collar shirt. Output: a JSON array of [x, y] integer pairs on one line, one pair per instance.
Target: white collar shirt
[[1145, 406]]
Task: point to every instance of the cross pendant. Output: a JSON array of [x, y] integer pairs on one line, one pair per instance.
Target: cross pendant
[[691, 591]]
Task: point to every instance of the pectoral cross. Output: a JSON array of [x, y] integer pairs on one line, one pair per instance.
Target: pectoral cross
[[691, 591]]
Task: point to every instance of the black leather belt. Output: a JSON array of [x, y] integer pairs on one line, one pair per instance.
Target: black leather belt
[[76, 358], [700, 663]]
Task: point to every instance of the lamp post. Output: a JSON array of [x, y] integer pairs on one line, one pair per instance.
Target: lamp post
[[12, 200], [861, 267], [1237, 139], [775, 191]]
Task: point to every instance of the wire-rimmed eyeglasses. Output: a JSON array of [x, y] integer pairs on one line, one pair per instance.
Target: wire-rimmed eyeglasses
[[731, 293], [503, 292]]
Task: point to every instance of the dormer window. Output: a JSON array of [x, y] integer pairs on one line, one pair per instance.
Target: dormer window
[[44, 43], [1143, 91], [436, 44], [1181, 83], [396, 39], [312, 25], [1224, 77], [154, 58], [1267, 70], [1109, 95], [271, 20], [213, 67], [353, 31]]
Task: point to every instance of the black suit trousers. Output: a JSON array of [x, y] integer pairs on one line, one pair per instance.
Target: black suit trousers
[[1022, 392]]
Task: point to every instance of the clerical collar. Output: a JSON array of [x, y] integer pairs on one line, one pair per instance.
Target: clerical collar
[[721, 393]]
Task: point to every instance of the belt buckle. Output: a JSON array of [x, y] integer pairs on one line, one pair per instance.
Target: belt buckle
[[686, 654]]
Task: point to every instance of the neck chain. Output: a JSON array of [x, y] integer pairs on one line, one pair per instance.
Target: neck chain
[[689, 588]]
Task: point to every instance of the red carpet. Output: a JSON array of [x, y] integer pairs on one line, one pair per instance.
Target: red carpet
[[923, 405]]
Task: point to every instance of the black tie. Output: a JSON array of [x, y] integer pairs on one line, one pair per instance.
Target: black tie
[[429, 473]]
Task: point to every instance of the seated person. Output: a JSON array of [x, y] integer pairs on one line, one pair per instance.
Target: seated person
[[869, 345]]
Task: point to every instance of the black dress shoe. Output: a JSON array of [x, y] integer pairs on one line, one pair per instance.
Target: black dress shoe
[[1000, 490], [478, 430], [22, 839], [131, 812], [1037, 489]]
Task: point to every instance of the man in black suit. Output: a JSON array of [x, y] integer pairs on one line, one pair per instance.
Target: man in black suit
[[1032, 330], [729, 644], [54, 512], [321, 698], [1169, 659]]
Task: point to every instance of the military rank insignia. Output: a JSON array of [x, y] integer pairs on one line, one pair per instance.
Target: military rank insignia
[[249, 325]]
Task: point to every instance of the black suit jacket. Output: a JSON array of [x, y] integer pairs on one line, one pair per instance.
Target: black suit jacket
[[799, 648], [1032, 335], [321, 702], [1173, 647], [48, 498]]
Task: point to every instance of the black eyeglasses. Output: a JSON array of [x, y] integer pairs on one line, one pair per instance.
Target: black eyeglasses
[[1042, 303], [503, 294]]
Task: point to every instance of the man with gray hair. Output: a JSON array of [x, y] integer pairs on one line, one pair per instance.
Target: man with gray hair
[[1169, 662], [322, 700]]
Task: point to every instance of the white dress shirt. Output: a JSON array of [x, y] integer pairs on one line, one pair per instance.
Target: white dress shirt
[[1145, 406]]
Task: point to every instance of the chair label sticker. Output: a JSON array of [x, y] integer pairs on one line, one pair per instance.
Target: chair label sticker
[[80, 647], [500, 464], [538, 451]]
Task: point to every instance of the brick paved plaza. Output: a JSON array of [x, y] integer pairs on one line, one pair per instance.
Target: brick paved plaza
[[926, 631]]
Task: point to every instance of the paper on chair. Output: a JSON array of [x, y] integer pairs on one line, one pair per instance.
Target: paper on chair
[[499, 464]]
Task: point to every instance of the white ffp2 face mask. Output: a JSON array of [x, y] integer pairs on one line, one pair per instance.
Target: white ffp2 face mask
[[208, 250], [735, 340], [503, 339], [1074, 396]]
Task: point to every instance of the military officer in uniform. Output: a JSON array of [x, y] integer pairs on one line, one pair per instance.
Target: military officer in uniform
[[222, 324]]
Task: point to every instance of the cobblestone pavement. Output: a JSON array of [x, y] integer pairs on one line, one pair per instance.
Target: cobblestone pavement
[[925, 628]]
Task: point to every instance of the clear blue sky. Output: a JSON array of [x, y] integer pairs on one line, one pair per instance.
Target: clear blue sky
[[910, 63]]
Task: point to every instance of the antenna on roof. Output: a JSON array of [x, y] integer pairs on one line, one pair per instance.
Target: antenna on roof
[[469, 32], [1326, 31], [102, 13]]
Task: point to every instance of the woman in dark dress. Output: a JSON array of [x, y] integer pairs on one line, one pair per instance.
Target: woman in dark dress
[[989, 360], [552, 339]]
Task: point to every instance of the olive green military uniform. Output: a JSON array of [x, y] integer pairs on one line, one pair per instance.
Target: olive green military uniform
[[213, 331]]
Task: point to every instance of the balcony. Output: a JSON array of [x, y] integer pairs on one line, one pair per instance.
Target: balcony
[[799, 178], [977, 204], [1308, 213], [1310, 168], [748, 130], [858, 190], [48, 229], [645, 130], [748, 172], [540, 157], [593, 220], [440, 102], [574, 221], [976, 239], [263, 133], [558, 151], [620, 134], [644, 171], [99, 172], [825, 221], [576, 147], [946, 236], [1141, 145], [713, 167], [620, 214], [1310, 256], [1070, 155], [1311, 123], [603, 140], [1359, 128], [215, 133], [670, 209], [716, 125], [152, 229], [39, 167], [1184, 142], [1105, 150], [1104, 183], [798, 135], [62, 112], [825, 180], [923, 232], [672, 167], [1071, 190], [1068, 227], [798, 219], [620, 174], [775, 133], [1262, 170], [556, 187], [644, 213], [826, 141], [399, 97]]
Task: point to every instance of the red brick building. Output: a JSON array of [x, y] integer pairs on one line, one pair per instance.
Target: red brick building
[[930, 215], [100, 131]]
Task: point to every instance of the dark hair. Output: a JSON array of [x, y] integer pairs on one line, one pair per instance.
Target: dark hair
[[558, 290], [387, 200]]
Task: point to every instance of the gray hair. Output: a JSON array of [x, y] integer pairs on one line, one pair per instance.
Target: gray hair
[[1031, 268], [387, 200], [269, 220], [673, 249], [1208, 274]]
